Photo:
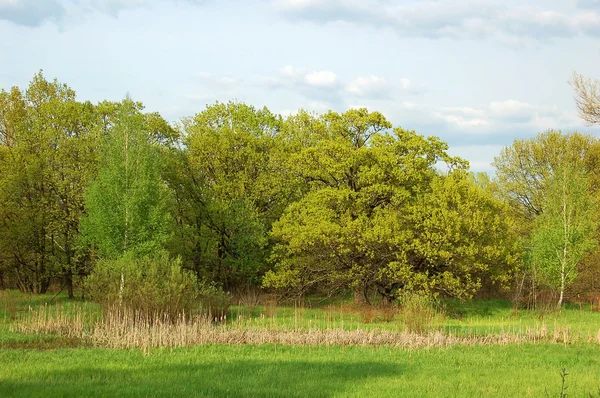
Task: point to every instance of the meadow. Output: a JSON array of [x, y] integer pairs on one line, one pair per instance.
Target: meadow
[[268, 370], [54, 363]]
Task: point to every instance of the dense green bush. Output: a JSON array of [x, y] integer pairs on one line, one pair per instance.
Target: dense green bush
[[149, 285]]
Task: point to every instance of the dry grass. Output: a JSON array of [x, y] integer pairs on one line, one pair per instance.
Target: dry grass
[[126, 329], [420, 313]]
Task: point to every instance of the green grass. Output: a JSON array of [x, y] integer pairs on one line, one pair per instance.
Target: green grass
[[48, 366], [272, 371]]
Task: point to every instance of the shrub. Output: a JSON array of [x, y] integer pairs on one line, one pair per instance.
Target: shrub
[[214, 302], [419, 312], [150, 286]]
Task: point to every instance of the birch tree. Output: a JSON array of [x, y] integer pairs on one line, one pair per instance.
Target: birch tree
[[564, 232], [126, 204]]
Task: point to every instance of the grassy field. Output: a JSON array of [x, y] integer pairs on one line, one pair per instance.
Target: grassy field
[[271, 371], [51, 365]]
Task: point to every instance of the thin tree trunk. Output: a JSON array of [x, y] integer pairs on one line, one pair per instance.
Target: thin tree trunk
[[563, 265], [562, 289]]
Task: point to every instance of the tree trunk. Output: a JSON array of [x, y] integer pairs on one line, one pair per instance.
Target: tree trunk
[[69, 283], [562, 283], [121, 287], [68, 268], [360, 296]]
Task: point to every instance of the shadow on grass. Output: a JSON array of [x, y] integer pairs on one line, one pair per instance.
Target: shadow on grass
[[476, 308], [229, 378], [26, 342]]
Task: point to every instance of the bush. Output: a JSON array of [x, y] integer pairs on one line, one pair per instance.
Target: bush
[[419, 312], [214, 302], [150, 286]]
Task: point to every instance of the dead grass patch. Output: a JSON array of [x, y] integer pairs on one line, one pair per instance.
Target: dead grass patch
[[126, 329]]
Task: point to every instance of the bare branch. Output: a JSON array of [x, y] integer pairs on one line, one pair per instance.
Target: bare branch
[[587, 97]]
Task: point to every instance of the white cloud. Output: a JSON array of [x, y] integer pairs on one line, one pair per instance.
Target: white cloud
[[213, 87], [378, 87], [288, 112], [327, 85], [513, 110], [323, 78], [588, 4], [313, 84], [458, 19], [112, 7], [217, 80], [316, 78], [405, 83], [367, 85], [289, 71], [33, 13], [463, 122], [480, 156], [466, 111], [482, 123], [318, 106]]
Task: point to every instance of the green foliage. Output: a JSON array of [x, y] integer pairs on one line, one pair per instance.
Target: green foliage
[[527, 174], [524, 168], [339, 201], [126, 203], [153, 285], [380, 216], [214, 301], [232, 187], [47, 152], [564, 232]]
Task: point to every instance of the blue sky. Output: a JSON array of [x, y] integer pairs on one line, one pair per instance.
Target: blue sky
[[477, 73]]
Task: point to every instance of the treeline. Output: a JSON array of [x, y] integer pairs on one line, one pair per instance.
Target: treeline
[[108, 199]]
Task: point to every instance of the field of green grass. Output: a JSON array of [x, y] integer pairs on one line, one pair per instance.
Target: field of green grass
[[48, 365], [273, 371]]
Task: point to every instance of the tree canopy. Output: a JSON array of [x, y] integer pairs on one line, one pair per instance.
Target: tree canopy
[[237, 197]]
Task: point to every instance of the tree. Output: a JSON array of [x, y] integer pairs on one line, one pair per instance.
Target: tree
[[47, 142], [127, 203], [587, 97], [523, 169], [231, 187], [564, 232], [380, 217]]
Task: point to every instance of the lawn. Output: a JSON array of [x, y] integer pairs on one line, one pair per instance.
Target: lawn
[[51, 365], [271, 371]]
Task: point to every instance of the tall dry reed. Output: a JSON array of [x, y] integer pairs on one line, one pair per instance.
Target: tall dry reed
[[118, 328]]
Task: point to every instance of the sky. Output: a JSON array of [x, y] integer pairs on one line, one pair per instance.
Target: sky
[[476, 73]]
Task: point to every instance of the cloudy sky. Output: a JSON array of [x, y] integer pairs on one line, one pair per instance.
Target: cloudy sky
[[477, 73]]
